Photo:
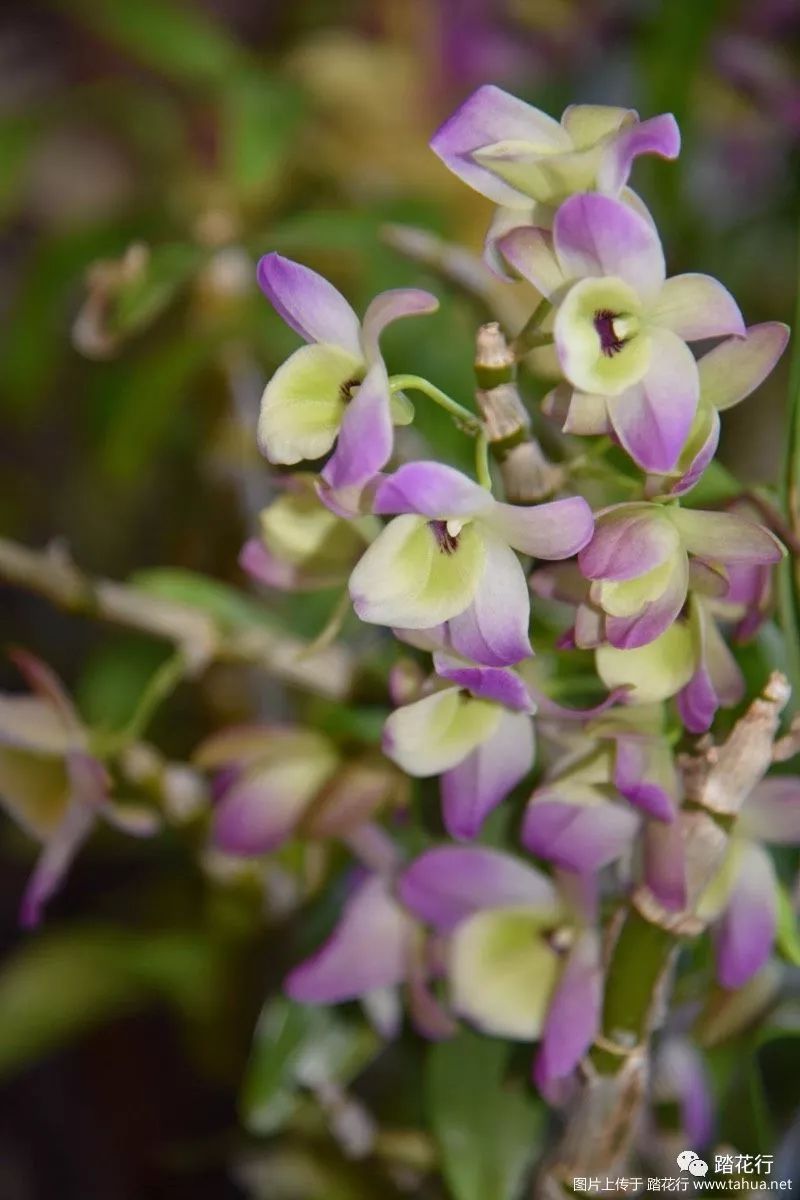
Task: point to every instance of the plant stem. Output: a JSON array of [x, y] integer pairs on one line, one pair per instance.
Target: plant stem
[[402, 383], [482, 461], [197, 633], [161, 685]]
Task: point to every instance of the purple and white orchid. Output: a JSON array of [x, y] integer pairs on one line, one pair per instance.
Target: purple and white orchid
[[643, 558], [335, 389], [522, 959], [52, 784], [449, 557], [528, 163], [620, 326]]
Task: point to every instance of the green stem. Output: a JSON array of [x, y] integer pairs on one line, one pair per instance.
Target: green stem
[[640, 957], [482, 461], [402, 383], [161, 685]]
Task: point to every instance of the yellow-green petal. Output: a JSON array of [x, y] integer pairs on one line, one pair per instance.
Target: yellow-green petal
[[653, 672], [304, 402], [503, 972]]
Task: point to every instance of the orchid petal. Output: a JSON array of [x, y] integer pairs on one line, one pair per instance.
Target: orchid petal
[[405, 578], [578, 836], [503, 972], [432, 490], [587, 123], [436, 733], [369, 949], [309, 304], [653, 672], [488, 683], [771, 812], [55, 860], [531, 253], [553, 531], [725, 537], [735, 368], [628, 541], [665, 863], [488, 116], [655, 616], [659, 135], [449, 883], [493, 629], [599, 236], [645, 774], [365, 436], [746, 934], [654, 418], [697, 306], [389, 307], [475, 786], [260, 810], [573, 1016], [303, 403]]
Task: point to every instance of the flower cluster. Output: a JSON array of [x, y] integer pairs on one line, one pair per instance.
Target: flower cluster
[[634, 586], [475, 932]]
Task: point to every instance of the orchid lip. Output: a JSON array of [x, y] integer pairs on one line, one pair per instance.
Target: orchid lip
[[613, 329], [446, 535]]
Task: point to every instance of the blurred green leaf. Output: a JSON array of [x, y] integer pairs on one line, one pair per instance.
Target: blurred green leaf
[[63, 982], [177, 39], [18, 137], [716, 486], [232, 609], [259, 116], [35, 335], [114, 677], [143, 400], [488, 1130], [138, 302], [297, 1045], [788, 934]]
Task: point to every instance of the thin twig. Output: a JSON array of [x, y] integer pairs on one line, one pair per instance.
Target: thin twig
[[200, 636]]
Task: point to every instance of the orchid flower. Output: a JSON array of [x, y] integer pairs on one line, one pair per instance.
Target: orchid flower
[[643, 558], [272, 779], [477, 735], [528, 163], [52, 784], [620, 326], [522, 959], [303, 545], [728, 374], [690, 660], [742, 898], [574, 818], [335, 389], [449, 557]]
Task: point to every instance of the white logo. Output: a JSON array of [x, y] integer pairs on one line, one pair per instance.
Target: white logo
[[689, 1161]]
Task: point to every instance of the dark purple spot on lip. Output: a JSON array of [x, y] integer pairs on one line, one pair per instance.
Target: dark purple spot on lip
[[348, 389], [610, 343], [445, 540]]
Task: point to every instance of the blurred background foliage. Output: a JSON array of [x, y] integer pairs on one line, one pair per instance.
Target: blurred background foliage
[[150, 150]]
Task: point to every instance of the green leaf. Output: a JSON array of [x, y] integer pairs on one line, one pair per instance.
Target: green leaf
[[788, 934], [488, 1130], [296, 1045], [140, 301], [61, 983], [716, 486], [176, 39], [232, 609], [259, 116], [144, 402]]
